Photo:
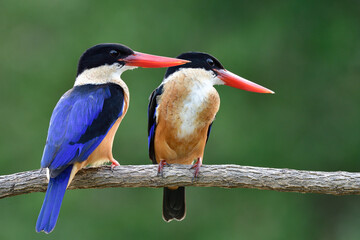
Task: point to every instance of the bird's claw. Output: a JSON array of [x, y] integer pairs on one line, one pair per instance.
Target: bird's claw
[[161, 165], [114, 163], [196, 175], [196, 166]]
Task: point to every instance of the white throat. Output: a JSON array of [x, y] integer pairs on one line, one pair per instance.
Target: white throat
[[102, 74], [198, 75], [200, 83]]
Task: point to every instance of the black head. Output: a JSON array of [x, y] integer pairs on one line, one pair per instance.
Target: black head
[[198, 60], [101, 54]]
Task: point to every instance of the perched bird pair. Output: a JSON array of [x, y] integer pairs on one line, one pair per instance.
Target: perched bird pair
[[86, 118]]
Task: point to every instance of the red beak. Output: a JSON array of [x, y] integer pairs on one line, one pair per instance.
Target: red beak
[[151, 61], [236, 81]]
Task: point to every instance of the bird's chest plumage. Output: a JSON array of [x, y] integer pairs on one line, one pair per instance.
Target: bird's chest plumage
[[185, 111]]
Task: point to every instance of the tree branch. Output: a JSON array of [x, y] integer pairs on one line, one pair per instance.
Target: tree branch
[[226, 176]]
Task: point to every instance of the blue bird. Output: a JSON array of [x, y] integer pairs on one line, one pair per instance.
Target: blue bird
[[85, 120]]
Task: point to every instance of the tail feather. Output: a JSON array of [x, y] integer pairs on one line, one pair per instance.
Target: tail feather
[[51, 207], [174, 204]]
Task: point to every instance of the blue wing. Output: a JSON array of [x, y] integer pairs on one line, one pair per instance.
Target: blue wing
[[152, 120], [209, 130], [79, 123]]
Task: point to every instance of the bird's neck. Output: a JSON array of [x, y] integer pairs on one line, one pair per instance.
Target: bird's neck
[[194, 75], [103, 75]]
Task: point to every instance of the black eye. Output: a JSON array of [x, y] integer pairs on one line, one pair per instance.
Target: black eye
[[114, 53], [210, 62]]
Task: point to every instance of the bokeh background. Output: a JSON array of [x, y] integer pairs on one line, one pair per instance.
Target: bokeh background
[[308, 52]]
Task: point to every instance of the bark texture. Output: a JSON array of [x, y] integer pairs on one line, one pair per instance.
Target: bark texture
[[225, 176]]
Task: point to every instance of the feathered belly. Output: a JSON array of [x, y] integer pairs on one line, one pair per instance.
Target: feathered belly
[[185, 111], [182, 139], [182, 151]]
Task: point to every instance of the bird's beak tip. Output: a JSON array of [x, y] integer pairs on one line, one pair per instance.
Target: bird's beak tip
[[236, 81]]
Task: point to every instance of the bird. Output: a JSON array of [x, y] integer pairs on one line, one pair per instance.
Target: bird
[[180, 115], [85, 119]]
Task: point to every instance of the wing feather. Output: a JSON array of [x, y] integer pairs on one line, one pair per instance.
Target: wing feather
[[80, 121], [153, 103]]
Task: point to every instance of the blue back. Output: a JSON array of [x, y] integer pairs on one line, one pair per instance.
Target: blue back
[[80, 121]]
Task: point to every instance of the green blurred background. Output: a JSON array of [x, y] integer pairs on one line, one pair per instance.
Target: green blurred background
[[308, 52]]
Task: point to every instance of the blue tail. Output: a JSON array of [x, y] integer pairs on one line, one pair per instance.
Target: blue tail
[[51, 207]]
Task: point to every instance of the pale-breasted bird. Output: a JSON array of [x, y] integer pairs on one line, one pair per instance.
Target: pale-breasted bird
[[86, 118], [180, 114]]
